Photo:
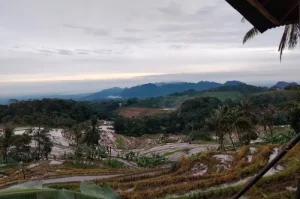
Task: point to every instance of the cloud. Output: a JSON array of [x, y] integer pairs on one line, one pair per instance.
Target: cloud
[[88, 30], [177, 46], [130, 40], [158, 36], [172, 9], [64, 52], [132, 30]]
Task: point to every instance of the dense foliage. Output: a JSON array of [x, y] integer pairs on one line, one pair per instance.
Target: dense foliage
[[35, 190], [56, 112], [191, 116]]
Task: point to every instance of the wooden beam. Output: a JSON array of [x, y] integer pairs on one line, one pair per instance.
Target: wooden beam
[[263, 11], [289, 12], [266, 168]]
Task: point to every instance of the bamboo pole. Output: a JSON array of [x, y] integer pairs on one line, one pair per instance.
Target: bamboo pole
[[264, 170], [298, 188]]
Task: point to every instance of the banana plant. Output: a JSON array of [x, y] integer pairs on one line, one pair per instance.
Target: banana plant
[[35, 190]]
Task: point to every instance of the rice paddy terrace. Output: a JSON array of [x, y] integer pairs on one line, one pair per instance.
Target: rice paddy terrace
[[211, 174]]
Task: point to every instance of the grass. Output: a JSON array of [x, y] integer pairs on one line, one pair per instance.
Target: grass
[[150, 183], [177, 151], [114, 163], [204, 142], [76, 165], [120, 143], [234, 95]]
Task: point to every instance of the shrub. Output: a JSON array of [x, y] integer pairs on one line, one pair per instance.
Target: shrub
[[115, 164], [155, 160]]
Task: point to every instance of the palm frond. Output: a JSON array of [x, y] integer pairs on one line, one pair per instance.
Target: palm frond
[[250, 34], [290, 38], [284, 40], [294, 36]]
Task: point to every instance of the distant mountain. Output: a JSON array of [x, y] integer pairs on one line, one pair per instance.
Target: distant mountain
[[152, 90], [157, 89], [282, 84], [111, 93], [233, 83], [76, 97]]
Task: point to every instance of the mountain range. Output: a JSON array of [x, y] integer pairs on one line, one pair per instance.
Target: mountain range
[[282, 84], [143, 91], [156, 89]]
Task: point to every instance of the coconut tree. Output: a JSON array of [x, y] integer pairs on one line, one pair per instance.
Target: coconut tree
[[216, 123], [289, 39], [245, 123], [269, 113], [92, 133], [6, 141]]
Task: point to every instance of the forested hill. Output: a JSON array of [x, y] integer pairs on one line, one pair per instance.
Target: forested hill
[[56, 112], [155, 90], [223, 93]]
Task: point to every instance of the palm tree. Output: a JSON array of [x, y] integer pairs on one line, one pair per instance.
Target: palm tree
[[92, 134], [41, 137], [75, 132], [246, 124], [6, 140], [269, 113], [235, 123], [216, 124], [289, 39]]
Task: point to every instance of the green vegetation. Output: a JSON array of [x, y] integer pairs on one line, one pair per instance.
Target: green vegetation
[[78, 165], [115, 164], [120, 143], [177, 151], [232, 95], [151, 161], [35, 190], [55, 112]]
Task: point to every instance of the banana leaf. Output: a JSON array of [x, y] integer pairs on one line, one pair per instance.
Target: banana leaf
[[35, 190]]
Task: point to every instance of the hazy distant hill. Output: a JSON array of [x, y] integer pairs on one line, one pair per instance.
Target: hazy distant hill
[[282, 84], [233, 83], [141, 91], [104, 94], [152, 90]]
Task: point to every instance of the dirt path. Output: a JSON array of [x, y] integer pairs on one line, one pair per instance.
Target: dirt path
[[77, 179], [176, 150]]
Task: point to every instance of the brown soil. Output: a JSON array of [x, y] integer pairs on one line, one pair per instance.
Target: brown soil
[[131, 112]]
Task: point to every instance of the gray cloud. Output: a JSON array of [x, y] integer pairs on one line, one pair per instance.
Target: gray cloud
[[158, 36], [130, 40], [177, 46], [132, 30], [88, 30]]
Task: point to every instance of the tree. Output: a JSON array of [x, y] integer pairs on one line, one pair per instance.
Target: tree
[[47, 146], [289, 39], [6, 140], [294, 118], [269, 114], [247, 122], [41, 137], [215, 123], [92, 134]]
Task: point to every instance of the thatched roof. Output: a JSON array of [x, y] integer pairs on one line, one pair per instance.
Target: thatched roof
[[266, 14]]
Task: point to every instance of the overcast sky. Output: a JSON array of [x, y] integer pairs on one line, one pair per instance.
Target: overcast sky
[[74, 46]]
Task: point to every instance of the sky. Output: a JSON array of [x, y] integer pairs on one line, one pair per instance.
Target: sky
[[81, 46]]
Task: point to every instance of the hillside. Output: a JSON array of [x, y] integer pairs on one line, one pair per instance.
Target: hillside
[[157, 89], [282, 84], [137, 112], [104, 94], [275, 97], [232, 92]]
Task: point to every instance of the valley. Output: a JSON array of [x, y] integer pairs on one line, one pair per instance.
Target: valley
[[209, 146]]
